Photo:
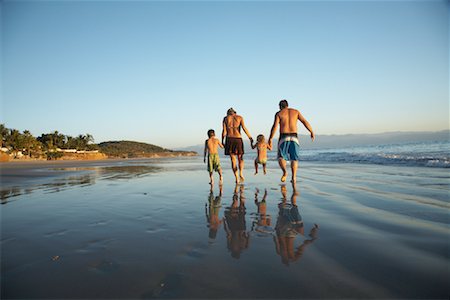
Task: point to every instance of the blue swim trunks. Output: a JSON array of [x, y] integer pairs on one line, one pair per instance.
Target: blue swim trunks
[[288, 147]]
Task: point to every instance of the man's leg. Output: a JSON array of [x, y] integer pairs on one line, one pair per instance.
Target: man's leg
[[241, 167], [282, 164], [294, 165], [234, 167]]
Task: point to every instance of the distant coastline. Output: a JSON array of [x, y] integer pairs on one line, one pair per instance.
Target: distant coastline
[[23, 146]]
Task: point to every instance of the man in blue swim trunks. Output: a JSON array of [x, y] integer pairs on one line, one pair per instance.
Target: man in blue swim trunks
[[288, 144]]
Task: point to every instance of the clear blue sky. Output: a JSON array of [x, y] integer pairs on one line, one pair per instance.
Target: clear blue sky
[[166, 72]]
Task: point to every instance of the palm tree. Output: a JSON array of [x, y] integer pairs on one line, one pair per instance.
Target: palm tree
[[4, 132]]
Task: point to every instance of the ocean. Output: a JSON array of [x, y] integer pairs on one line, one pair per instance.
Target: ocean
[[423, 154]]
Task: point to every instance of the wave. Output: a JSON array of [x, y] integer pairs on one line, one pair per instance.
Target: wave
[[436, 155]]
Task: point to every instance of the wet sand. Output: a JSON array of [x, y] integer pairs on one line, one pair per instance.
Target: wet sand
[[154, 229]]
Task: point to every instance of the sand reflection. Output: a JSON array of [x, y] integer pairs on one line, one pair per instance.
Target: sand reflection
[[16, 182]]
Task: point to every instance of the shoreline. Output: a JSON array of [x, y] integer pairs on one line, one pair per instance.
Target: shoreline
[[87, 160]]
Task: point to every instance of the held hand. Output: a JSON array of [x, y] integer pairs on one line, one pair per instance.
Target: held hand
[[270, 143]]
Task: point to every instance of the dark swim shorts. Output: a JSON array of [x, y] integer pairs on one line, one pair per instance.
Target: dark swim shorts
[[234, 146]]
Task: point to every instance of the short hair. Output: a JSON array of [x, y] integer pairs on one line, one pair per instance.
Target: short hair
[[211, 133], [283, 103], [260, 138]]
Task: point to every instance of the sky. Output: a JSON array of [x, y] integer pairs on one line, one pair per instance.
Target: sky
[[164, 72]]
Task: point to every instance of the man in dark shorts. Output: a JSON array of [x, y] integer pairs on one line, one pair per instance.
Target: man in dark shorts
[[234, 147], [288, 144]]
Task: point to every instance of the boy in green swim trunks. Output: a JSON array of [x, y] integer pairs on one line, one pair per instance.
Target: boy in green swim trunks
[[211, 146], [261, 147]]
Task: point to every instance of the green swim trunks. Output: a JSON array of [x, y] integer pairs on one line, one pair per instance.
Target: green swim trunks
[[213, 162]]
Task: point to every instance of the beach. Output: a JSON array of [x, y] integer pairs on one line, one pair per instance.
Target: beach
[[154, 228]]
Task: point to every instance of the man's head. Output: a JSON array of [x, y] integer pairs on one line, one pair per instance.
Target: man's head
[[283, 104], [230, 111], [211, 133]]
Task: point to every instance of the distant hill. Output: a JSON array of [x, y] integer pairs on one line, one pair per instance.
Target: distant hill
[[352, 140], [130, 149]]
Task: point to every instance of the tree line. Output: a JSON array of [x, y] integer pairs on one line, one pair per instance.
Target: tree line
[[44, 145]]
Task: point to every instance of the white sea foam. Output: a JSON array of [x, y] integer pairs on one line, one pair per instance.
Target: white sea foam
[[435, 154]]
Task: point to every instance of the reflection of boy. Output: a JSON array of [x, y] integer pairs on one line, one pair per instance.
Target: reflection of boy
[[212, 213], [211, 147], [263, 220]]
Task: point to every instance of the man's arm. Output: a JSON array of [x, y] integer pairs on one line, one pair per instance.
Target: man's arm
[[274, 128], [245, 130], [224, 129], [307, 125]]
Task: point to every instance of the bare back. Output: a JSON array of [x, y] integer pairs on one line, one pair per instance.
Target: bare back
[[232, 125], [212, 145], [288, 120]]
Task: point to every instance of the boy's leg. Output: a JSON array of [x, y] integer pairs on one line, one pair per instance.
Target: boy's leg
[[211, 178], [256, 166], [264, 169], [220, 177]]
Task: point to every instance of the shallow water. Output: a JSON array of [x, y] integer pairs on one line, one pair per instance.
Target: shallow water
[[155, 229]]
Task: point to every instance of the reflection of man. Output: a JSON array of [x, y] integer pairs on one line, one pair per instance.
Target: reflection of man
[[234, 147], [288, 144], [289, 225]]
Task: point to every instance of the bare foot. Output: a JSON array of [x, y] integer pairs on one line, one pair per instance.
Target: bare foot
[[265, 172], [211, 182], [256, 172], [283, 178], [241, 178], [294, 180]]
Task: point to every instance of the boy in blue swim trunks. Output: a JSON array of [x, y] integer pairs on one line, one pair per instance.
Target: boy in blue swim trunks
[[288, 144], [211, 147]]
